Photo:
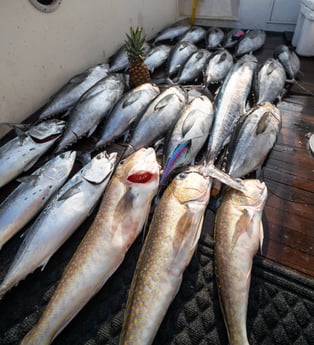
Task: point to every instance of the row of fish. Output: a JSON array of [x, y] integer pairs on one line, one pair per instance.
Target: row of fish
[[128, 187]]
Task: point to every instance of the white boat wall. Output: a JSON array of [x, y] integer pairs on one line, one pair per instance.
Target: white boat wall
[[41, 51]]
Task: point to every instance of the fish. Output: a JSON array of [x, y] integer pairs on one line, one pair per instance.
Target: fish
[[218, 67], [194, 67], [119, 61], [232, 37], [168, 248], [251, 41], [254, 139], [215, 37], [229, 106], [23, 151], [178, 56], [193, 127], [195, 35], [270, 81], [171, 33], [238, 235], [157, 57], [32, 194], [92, 108], [157, 119], [289, 60], [126, 111], [66, 97], [62, 215], [121, 216]]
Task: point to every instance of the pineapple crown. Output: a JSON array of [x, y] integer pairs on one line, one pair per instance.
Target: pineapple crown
[[135, 45]]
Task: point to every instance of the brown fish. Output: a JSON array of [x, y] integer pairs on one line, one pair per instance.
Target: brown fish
[[238, 235], [170, 243], [119, 220]]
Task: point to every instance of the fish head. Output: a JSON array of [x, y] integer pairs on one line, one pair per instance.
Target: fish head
[[60, 166], [139, 169], [190, 186], [253, 196], [100, 167], [47, 130]]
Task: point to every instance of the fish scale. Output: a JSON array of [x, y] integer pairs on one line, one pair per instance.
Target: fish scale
[[238, 235], [170, 243], [120, 218]]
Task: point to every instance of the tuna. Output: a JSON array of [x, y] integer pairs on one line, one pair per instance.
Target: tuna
[[230, 105], [232, 37], [157, 57], [171, 33], [289, 60], [193, 126], [194, 67], [215, 37], [218, 67], [158, 119], [255, 138], [121, 217], [32, 194], [168, 248], [270, 81], [179, 55], [63, 214], [23, 151], [127, 110], [251, 41], [195, 35], [238, 235], [92, 108], [71, 92]]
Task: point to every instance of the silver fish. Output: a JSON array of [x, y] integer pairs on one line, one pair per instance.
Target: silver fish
[[238, 235], [23, 151], [192, 126], [195, 34], [251, 41], [215, 37], [158, 118], [255, 138], [126, 111], [178, 56], [32, 194], [230, 105], [92, 108], [119, 61], [270, 81], [121, 216], [70, 93], [194, 67], [157, 57], [232, 37], [218, 67], [63, 214], [168, 248], [289, 60], [171, 33]]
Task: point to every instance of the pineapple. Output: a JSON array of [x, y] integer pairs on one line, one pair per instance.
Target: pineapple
[[134, 43]]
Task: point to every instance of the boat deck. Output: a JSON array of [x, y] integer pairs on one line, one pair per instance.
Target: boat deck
[[289, 174]]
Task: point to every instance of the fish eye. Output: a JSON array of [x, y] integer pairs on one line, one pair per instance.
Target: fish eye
[[122, 162], [182, 176]]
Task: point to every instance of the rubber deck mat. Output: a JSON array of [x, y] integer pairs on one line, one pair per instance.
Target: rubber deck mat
[[280, 311]]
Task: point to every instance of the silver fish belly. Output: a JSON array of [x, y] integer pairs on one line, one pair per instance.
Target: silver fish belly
[[23, 151], [63, 214], [31, 195]]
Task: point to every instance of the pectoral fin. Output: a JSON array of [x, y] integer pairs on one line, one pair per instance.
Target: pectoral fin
[[242, 226]]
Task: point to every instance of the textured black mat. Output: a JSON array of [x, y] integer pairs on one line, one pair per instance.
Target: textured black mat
[[281, 304]]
